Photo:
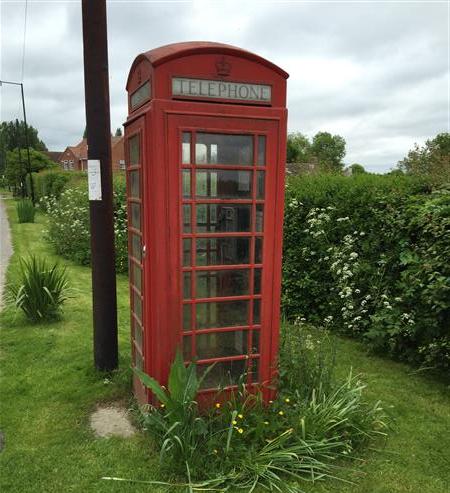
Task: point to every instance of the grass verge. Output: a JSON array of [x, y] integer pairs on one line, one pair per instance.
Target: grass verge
[[48, 389]]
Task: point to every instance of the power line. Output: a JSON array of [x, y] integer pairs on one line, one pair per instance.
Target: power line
[[24, 39]]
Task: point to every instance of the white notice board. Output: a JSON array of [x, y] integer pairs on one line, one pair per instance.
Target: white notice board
[[94, 179]]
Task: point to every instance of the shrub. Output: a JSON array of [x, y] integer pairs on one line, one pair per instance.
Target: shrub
[[25, 211], [41, 289], [247, 443], [367, 255]]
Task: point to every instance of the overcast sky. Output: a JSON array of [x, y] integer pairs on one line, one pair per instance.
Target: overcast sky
[[375, 72]]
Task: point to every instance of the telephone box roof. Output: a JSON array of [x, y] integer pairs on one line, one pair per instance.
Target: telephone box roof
[[165, 53]]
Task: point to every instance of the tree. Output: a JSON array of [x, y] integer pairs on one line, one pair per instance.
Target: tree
[[298, 148], [118, 132], [329, 150], [12, 136], [357, 169], [17, 167], [433, 158]]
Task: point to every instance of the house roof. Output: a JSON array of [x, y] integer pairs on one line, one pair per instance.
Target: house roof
[[80, 150], [53, 155]]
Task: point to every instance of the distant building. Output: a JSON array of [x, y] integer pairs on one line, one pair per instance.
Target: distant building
[[74, 158]]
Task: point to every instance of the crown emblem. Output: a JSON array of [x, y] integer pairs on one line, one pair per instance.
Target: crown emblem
[[223, 67]]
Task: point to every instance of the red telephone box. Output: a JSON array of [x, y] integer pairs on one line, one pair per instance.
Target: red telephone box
[[205, 156]]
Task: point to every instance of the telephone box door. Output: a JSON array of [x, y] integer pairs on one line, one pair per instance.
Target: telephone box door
[[226, 204]]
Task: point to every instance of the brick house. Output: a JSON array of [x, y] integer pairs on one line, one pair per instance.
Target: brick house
[[74, 158]]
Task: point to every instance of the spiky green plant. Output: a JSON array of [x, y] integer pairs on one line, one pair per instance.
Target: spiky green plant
[[40, 290], [25, 211]]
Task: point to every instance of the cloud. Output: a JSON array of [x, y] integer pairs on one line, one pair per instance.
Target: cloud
[[375, 73]]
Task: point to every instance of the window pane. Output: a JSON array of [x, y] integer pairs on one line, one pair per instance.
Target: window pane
[[138, 361], [256, 312], [133, 146], [223, 374], [186, 148], [223, 184], [134, 184], [223, 217], [222, 283], [258, 250], [186, 183], [135, 215], [136, 276], [220, 344], [137, 305], [187, 218], [261, 150], [260, 176], [255, 341], [186, 285], [259, 217], [224, 149], [136, 246], [187, 351], [137, 333], [257, 282], [222, 314], [187, 317], [254, 370], [186, 252], [223, 251]]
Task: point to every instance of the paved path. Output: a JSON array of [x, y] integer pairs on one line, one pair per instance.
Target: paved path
[[5, 246]]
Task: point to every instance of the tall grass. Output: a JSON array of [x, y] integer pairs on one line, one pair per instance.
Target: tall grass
[[25, 211], [41, 289]]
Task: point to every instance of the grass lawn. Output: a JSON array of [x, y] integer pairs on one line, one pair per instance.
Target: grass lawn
[[48, 389]]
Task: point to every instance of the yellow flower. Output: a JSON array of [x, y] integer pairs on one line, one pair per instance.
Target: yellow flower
[[287, 400], [163, 405], [240, 416], [234, 422], [266, 422], [240, 430], [280, 413], [218, 405], [215, 451]]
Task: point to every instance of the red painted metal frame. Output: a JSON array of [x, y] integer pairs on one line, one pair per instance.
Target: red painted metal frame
[[160, 123]]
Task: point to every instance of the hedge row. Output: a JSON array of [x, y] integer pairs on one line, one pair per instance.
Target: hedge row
[[368, 256]]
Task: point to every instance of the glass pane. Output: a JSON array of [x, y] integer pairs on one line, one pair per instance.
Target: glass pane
[[137, 305], [255, 341], [260, 176], [222, 314], [223, 251], [133, 146], [186, 252], [137, 333], [223, 217], [223, 184], [187, 317], [136, 246], [256, 312], [186, 148], [135, 215], [220, 344], [254, 370], [187, 345], [261, 150], [259, 217], [136, 276], [138, 360], [257, 282], [224, 149], [258, 250], [186, 183], [187, 218], [223, 374], [134, 184], [186, 285], [222, 283]]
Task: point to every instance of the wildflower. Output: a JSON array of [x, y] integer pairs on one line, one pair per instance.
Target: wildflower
[[234, 422], [240, 430], [215, 451], [218, 405], [270, 402], [281, 413], [287, 400], [162, 405], [240, 416], [266, 422]]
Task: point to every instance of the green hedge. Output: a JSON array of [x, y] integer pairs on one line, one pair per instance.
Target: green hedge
[[368, 255], [52, 183]]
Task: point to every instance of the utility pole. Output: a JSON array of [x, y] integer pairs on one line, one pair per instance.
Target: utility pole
[[96, 83], [29, 171]]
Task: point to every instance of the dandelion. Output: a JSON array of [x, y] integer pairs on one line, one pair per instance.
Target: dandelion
[[287, 400], [266, 422], [240, 430], [162, 406], [215, 451], [218, 405], [234, 422], [240, 416], [281, 413]]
